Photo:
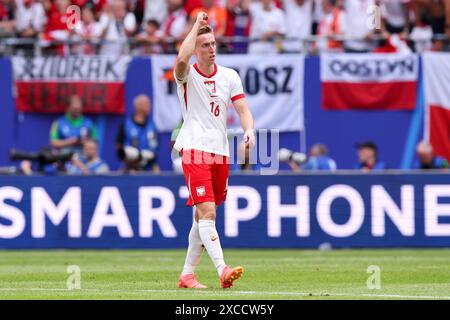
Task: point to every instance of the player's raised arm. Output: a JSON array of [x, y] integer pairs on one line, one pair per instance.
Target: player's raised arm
[[188, 46]]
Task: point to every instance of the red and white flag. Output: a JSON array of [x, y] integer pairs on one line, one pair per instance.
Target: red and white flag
[[44, 84], [369, 81], [436, 67]]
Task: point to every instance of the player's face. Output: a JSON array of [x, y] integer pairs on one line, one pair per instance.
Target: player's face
[[205, 49]]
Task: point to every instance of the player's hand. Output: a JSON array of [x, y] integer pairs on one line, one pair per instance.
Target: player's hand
[[202, 19], [249, 139]]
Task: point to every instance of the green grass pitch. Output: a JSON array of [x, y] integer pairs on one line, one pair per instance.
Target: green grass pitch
[[269, 274]]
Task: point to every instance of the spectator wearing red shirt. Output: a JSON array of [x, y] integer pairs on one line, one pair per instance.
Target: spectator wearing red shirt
[[7, 21], [191, 5], [217, 17], [57, 27], [238, 23]]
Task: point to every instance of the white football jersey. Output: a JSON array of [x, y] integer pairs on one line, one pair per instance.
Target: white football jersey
[[204, 102]]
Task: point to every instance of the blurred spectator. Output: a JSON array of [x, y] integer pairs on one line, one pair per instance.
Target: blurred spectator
[[238, 23], [332, 23], [57, 27], [217, 17], [136, 140], [436, 15], [137, 7], [268, 22], [69, 131], [299, 22], [88, 162], [30, 18], [395, 16], [7, 20], [174, 25], [117, 25], [155, 9], [190, 5], [87, 29], [148, 41], [368, 157], [317, 159], [356, 21], [427, 158]]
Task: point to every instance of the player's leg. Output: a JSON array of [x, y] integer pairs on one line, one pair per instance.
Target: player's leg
[[195, 248], [208, 233], [220, 173]]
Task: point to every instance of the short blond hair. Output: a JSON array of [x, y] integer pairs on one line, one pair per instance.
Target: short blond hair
[[204, 30]]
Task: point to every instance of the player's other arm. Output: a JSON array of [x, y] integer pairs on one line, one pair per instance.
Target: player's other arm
[[246, 117], [188, 46]]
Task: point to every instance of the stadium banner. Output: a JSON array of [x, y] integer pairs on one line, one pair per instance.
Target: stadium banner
[[283, 211], [44, 84], [383, 81], [273, 85], [436, 67]]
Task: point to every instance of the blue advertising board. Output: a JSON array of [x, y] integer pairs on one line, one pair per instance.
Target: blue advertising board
[[280, 211]]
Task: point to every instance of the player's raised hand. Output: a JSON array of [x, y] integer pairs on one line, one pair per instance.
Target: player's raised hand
[[249, 139], [202, 19]]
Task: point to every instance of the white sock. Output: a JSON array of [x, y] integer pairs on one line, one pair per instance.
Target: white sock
[[195, 250], [211, 241]]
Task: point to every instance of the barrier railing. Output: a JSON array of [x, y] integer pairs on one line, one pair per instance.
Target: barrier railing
[[32, 46]]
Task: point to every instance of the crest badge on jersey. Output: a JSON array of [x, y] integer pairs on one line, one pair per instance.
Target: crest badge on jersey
[[210, 87], [201, 191]]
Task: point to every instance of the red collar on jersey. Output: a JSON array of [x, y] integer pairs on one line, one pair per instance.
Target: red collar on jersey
[[204, 75]]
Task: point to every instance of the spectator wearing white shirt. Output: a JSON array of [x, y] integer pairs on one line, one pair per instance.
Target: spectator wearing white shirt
[[155, 9], [30, 18], [117, 26], [174, 26], [87, 29], [299, 16], [357, 25], [268, 22], [395, 16]]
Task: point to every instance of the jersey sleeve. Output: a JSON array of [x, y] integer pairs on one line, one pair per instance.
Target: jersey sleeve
[[181, 81], [236, 89]]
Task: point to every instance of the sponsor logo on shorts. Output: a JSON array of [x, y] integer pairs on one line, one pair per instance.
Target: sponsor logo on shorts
[[201, 191], [214, 237]]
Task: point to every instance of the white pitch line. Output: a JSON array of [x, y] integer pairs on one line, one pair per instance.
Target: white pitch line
[[304, 294]]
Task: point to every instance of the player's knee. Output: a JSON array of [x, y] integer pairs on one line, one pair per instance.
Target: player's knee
[[207, 214]]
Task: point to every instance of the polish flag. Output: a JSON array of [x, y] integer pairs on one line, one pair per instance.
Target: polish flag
[[382, 81], [436, 67]]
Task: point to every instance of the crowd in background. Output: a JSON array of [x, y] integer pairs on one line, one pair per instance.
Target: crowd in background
[[73, 149], [254, 26]]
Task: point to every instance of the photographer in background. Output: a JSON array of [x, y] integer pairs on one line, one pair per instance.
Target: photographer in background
[[427, 158], [88, 162], [368, 157], [70, 131], [136, 140], [317, 159]]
